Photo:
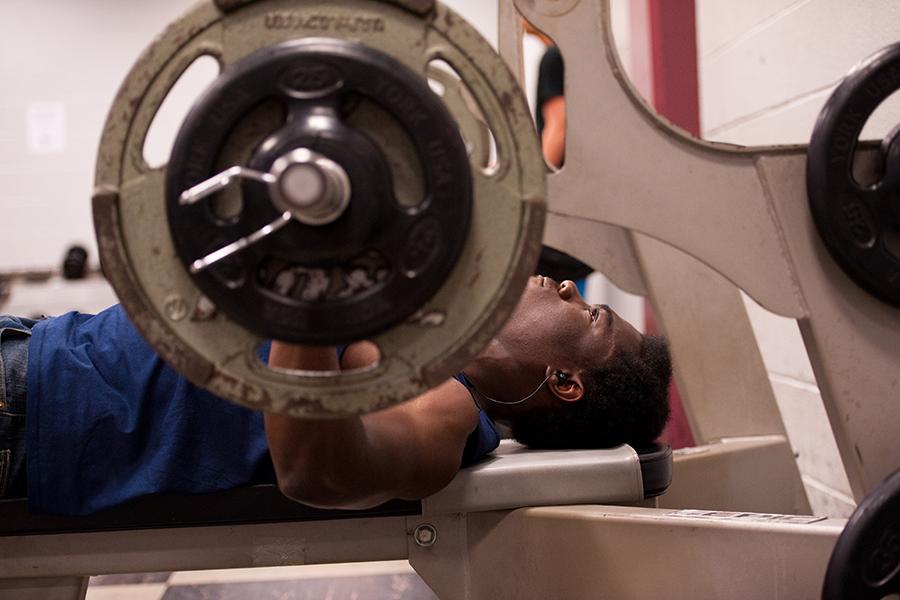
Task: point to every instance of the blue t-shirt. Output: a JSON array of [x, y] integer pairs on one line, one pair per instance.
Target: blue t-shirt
[[109, 421]]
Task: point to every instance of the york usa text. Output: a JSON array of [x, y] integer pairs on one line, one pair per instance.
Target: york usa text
[[298, 20]]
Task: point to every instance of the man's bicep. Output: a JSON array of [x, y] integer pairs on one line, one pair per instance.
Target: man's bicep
[[554, 112], [553, 138]]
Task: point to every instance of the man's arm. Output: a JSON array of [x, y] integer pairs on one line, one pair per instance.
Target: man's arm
[[553, 138], [552, 106], [408, 451]]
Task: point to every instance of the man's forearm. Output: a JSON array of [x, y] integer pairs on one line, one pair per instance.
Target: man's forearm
[[316, 458], [300, 447]]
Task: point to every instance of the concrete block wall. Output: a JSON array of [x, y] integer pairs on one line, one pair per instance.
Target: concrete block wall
[[766, 69], [61, 64]]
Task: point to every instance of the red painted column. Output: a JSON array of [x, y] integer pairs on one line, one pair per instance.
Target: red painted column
[[673, 39], [675, 95]]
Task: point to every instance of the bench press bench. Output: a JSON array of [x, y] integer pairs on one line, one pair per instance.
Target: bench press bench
[[52, 557]]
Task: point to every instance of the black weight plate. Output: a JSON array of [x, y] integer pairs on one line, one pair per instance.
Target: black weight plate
[[865, 563], [413, 248], [860, 224]]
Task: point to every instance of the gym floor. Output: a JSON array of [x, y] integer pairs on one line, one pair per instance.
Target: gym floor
[[394, 580]]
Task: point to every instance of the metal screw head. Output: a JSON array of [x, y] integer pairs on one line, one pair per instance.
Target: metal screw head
[[176, 308], [425, 535]]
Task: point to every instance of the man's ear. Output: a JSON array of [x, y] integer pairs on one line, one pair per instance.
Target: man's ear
[[565, 385]]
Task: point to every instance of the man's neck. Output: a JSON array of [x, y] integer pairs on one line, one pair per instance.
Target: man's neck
[[495, 374]]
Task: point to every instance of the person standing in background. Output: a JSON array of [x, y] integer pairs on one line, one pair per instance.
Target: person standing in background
[[550, 119], [550, 108]]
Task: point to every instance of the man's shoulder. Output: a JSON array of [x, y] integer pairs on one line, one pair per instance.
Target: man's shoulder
[[114, 315]]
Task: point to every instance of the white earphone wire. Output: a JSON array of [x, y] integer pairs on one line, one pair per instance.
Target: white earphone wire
[[520, 401]]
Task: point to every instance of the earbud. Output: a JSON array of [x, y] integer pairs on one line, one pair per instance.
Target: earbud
[[561, 377]]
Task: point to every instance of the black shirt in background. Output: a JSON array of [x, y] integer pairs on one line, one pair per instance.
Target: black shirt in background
[[550, 83]]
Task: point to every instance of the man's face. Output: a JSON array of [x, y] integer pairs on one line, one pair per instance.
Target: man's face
[[554, 325]]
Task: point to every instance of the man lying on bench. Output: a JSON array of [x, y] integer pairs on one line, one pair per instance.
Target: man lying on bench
[[91, 417]]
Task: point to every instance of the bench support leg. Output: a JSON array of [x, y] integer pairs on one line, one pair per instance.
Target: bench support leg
[[441, 562]]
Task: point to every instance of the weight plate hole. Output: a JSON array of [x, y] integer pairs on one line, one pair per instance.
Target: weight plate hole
[[226, 206], [436, 86], [230, 272], [892, 241], [312, 285], [881, 124], [480, 141], [181, 97], [398, 148], [883, 120], [867, 173]]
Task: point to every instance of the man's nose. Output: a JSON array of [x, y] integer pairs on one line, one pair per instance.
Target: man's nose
[[568, 291]]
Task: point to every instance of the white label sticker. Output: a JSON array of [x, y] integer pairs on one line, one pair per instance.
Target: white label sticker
[[45, 128], [719, 515]]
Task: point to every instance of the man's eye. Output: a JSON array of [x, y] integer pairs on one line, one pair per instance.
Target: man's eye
[[595, 314]]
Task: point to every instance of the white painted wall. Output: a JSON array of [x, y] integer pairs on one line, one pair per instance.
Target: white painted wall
[[61, 63], [766, 69], [70, 56]]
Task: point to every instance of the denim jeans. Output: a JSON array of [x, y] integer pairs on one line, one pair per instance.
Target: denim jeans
[[15, 333]]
